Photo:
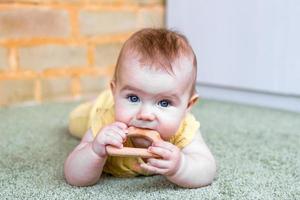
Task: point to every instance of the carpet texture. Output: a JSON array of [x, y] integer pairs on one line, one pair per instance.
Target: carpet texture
[[257, 150]]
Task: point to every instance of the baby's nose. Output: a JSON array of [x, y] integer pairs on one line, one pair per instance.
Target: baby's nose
[[145, 114]]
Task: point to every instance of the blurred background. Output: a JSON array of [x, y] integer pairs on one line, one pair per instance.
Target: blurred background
[[248, 51], [62, 50]]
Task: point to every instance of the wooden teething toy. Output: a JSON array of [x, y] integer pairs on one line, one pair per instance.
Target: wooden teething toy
[[151, 135]]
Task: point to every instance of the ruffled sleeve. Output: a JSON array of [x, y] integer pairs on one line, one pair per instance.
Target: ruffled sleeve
[[102, 112], [186, 131]]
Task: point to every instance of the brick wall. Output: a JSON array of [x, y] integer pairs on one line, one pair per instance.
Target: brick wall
[[57, 50]]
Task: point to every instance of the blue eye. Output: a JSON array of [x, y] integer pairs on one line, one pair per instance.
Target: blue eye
[[133, 98], [164, 103]]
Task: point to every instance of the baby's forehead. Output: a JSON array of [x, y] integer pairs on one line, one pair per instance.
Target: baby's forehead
[[179, 66], [182, 72]]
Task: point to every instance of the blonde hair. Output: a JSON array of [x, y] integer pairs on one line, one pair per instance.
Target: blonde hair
[[158, 48]]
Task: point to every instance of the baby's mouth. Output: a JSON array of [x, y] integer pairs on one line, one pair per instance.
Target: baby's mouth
[[145, 127], [143, 124]]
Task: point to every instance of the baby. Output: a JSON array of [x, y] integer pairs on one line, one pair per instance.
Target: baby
[[154, 88]]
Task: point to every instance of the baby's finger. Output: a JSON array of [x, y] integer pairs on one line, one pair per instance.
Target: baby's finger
[[164, 144], [162, 152], [152, 169], [118, 131], [121, 125], [159, 163], [114, 142], [115, 136]]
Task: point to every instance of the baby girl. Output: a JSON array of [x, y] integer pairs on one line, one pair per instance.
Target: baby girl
[[153, 87]]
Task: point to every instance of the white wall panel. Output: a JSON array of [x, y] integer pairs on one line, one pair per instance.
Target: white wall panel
[[249, 44]]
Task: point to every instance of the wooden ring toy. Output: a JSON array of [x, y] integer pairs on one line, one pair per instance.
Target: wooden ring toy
[[151, 135]]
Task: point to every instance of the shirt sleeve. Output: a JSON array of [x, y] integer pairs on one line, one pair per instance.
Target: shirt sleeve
[[186, 131], [102, 112]]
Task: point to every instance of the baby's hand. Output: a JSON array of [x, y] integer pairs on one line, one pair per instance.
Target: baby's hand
[[113, 134], [169, 162]]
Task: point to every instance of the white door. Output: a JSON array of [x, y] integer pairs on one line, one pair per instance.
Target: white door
[[249, 45]]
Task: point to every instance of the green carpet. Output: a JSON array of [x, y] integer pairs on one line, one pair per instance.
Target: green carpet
[[257, 149]]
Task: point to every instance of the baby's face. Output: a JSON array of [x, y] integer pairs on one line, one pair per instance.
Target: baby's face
[[152, 99]]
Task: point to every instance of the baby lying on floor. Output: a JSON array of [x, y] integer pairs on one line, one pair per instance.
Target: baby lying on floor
[[154, 88]]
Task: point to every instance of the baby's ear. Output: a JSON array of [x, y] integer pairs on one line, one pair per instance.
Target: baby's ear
[[192, 102], [113, 86]]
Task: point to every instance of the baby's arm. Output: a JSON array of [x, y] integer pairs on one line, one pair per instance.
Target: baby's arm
[[84, 165], [194, 166], [197, 166]]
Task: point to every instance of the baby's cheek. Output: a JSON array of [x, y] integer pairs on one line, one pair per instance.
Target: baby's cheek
[[169, 127], [122, 114]]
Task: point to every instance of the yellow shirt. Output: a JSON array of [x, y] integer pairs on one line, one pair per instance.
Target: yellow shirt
[[102, 114]]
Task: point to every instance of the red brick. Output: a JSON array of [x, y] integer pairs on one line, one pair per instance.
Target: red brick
[[92, 85], [55, 88], [93, 23], [3, 59], [49, 56], [107, 54], [149, 2], [16, 91], [34, 22], [129, 2], [152, 18]]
